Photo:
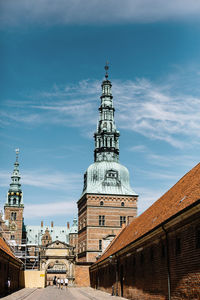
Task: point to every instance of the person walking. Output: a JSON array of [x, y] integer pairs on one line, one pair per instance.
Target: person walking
[[61, 283], [58, 282], [66, 282], [7, 286], [55, 281]]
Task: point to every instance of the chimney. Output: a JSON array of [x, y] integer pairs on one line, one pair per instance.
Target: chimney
[[67, 225], [51, 223], [129, 219], [123, 225], [41, 223]]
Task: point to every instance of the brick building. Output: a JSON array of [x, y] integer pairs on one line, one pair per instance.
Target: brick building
[[107, 200], [157, 255], [9, 268]]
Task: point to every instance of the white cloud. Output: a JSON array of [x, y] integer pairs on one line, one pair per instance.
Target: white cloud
[[147, 197], [153, 110], [173, 160], [138, 148], [43, 210], [4, 178], [166, 176], [46, 179], [50, 12]]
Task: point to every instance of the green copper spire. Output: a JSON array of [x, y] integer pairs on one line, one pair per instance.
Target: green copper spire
[[106, 137], [14, 196], [106, 175]]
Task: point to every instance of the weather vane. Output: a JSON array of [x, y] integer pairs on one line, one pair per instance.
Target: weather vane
[[17, 153], [106, 68]]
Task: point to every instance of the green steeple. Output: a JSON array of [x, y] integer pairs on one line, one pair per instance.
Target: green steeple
[[106, 175], [14, 196], [106, 137]]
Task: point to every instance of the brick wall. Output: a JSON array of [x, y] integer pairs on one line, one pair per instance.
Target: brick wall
[[16, 232], [90, 207], [142, 271], [8, 268], [82, 277]]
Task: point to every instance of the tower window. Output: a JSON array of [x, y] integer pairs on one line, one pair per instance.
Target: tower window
[[14, 201], [122, 203], [101, 220], [12, 237], [101, 203], [100, 245], [122, 220], [13, 216]]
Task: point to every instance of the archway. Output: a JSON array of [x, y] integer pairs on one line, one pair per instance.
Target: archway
[[58, 268]]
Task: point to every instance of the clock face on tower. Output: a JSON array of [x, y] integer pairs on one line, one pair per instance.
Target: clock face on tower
[[13, 226]]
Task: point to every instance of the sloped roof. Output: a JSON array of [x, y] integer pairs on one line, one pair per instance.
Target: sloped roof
[[184, 193], [5, 248], [65, 245]]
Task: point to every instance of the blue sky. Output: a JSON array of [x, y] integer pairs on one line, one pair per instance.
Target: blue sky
[[52, 64]]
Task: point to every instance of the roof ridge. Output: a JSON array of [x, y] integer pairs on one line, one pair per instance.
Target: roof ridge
[[184, 193]]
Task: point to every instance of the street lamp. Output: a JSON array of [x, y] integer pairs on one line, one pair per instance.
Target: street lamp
[[115, 263]]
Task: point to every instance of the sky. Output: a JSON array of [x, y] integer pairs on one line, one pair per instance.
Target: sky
[[52, 58]]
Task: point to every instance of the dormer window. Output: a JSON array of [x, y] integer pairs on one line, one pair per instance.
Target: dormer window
[[112, 174]]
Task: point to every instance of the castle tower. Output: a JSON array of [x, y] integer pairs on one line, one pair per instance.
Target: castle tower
[[13, 208], [107, 200]]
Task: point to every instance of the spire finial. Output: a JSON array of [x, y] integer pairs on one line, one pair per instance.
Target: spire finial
[[106, 68], [17, 154]]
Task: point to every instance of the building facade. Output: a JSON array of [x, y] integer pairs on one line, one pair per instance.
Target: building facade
[[107, 200], [58, 259], [28, 241], [156, 256]]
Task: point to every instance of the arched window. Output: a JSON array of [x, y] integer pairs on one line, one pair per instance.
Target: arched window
[[101, 203], [14, 201], [122, 203], [110, 126], [110, 142], [106, 142]]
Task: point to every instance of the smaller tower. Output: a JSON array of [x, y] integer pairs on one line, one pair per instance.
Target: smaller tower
[[13, 208]]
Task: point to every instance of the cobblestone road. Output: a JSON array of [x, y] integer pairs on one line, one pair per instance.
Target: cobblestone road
[[53, 293]]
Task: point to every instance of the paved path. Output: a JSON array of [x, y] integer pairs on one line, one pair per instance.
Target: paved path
[[53, 293]]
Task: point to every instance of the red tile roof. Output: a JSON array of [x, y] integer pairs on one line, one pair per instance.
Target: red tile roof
[[184, 193]]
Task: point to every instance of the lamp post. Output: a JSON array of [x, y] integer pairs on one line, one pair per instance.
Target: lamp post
[[115, 263]]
